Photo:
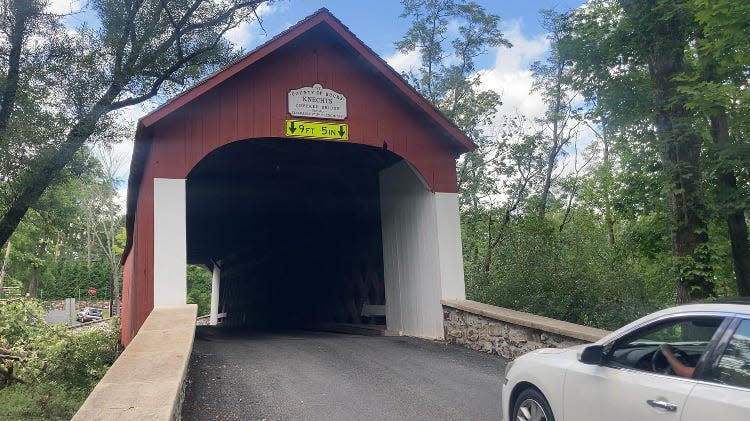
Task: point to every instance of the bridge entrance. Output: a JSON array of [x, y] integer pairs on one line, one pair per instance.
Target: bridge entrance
[[294, 226], [311, 178]]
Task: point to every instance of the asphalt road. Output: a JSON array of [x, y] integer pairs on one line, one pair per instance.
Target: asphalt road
[[326, 376], [54, 317]]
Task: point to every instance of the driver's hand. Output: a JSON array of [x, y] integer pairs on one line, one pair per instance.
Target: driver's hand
[[666, 349]]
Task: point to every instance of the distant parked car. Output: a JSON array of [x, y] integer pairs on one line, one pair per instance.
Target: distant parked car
[[687, 363], [89, 314]]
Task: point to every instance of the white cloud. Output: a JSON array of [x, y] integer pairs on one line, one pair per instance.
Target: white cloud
[[122, 151], [63, 7], [245, 34], [404, 62], [512, 79], [511, 76], [241, 35]]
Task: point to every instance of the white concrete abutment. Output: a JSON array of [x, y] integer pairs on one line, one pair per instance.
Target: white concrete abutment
[[170, 242], [422, 255]]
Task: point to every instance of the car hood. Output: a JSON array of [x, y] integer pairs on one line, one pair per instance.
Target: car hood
[[546, 351]]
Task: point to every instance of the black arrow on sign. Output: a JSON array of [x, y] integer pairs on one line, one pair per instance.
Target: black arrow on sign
[[341, 131], [292, 128]]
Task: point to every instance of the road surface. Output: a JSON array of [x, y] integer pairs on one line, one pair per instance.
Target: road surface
[[326, 376]]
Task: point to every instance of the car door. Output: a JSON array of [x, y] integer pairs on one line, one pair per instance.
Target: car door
[[596, 393], [624, 387], [725, 392]]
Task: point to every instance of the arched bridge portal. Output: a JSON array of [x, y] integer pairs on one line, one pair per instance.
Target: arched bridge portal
[[294, 226], [310, 178]]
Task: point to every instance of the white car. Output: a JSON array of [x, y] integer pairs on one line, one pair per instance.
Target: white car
[[626, 377]]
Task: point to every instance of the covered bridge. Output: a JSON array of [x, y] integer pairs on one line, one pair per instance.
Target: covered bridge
[[311, 179]]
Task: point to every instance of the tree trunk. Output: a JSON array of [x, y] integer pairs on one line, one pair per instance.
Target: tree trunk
[[21, 11], [488, 256], [680, 153], [740, 251], [609, 218], [547, 181], [114, 307], [681, 159], [5, 264], [556, 141], [49, 165], [35, 266], [34, 283], [736, 223]]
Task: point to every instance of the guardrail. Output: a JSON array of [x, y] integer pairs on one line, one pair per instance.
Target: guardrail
[[147, 381], [509, 333]]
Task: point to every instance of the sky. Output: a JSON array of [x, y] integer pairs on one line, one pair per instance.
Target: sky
[[377, 24]]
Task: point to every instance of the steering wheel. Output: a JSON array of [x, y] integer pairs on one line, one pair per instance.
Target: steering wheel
[[659, 363]]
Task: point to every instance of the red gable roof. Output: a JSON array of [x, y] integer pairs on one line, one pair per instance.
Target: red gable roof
[[322, 17]]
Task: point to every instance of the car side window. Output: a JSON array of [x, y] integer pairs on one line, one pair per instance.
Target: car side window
[[733, 367], [688, 337]]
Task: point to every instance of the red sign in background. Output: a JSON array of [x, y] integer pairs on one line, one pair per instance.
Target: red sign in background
[[92, 291]]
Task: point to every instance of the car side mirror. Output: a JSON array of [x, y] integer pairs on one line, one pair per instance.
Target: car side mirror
[[592, 354]]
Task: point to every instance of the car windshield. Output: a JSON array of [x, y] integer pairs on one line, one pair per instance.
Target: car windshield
[[691, 331]]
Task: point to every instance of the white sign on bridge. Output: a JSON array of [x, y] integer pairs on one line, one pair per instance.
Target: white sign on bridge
[[317, 102]]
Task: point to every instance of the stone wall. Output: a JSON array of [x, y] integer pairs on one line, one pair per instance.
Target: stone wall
[[509, 333], [60, 304]]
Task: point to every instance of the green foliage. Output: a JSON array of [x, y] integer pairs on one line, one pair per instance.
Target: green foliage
[[72, 278], [39, 402], [59, 367], [199, 288], [570, 275], [449, 86], [52, 107], [669, 80], [68, 241], [448, 78]]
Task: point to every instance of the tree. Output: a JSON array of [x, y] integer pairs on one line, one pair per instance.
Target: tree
[[142, 46], [46, 371], [718, 92], [449, 79], [50, 252], [651, 38], [104, 221], [4, 266], [561, 119], [518, 163]]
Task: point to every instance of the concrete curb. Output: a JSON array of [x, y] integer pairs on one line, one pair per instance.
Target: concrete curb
[[544, 324], [147, 382]]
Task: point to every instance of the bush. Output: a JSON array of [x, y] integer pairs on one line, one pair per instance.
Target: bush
[[199, 288], [60, 367], [69, 278], [39, 401], [571, 275]]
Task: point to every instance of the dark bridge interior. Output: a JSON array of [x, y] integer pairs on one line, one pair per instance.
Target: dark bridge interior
[[295, 225]]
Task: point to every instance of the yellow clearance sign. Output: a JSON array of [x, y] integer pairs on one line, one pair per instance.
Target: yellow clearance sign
[[317, 130]]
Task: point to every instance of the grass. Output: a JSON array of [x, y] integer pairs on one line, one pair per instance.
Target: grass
[[47, 401]]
